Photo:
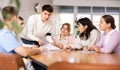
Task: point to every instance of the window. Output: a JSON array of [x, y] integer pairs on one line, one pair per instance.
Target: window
[[83, 12], [67, 16], [98, 9], [93, 13]]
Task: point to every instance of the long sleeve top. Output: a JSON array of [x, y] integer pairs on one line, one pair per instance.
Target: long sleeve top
[[67, 41], [92, 40], [36, 29], [110, 43]]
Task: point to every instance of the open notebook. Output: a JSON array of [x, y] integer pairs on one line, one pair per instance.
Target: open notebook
[[50, 47]]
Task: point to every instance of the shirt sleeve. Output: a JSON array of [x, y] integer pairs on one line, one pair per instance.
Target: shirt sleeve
[[112, 43], [30, 29], [94, 37], [100, 43], [9, 42], [49, 39]]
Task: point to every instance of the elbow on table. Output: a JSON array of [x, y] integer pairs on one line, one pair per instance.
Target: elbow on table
[[106, 51]]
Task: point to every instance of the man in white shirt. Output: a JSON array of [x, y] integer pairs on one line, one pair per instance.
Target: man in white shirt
[[38, 27]]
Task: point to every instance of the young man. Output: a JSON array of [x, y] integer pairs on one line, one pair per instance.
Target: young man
[[38, 27], [8, 42]]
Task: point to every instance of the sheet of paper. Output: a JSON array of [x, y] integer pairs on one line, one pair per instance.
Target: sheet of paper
[[50, 47]]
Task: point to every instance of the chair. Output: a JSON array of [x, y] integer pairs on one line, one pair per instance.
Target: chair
[[82, 66], [11, 62]]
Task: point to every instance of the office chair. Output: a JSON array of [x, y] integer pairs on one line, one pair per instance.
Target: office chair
[[11, 62]]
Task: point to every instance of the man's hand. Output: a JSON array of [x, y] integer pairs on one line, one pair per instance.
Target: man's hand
[[40, 42]]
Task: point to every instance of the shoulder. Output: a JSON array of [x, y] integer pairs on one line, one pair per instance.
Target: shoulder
[[5, 30], [116, 33], [35, 16], [95, 31]]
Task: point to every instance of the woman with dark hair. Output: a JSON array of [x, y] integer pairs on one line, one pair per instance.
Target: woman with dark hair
[[110, 39], [88, 33], [64, 40]]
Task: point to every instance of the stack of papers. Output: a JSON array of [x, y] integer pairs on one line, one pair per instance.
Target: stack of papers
[[50, 47]]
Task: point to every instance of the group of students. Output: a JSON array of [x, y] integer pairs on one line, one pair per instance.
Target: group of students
[[90, 38], [39, 27]]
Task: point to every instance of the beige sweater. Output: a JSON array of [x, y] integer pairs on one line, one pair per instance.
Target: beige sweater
[[92, 40], [35, 28]]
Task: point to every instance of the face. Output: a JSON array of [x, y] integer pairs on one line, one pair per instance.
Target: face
[[45, 15], [103, 25], [20, 22], [64, 30], [82, 28]]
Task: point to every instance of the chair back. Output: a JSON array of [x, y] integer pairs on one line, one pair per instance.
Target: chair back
[[11, 62]]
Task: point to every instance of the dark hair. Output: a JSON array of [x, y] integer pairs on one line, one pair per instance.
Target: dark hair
[[8, 12], [109, 19], [1, 24], [48, 8], [86, 21], [19, 17], [68, 25]]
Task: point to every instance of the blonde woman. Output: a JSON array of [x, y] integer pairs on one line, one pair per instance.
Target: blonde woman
[[64, 39]]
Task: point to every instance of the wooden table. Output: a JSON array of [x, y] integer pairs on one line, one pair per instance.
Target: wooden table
[[48, 58]]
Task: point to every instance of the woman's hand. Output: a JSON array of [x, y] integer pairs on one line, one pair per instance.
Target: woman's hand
[[97, 49]]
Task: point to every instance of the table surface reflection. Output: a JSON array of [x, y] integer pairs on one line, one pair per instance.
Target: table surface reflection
[[50, 57]]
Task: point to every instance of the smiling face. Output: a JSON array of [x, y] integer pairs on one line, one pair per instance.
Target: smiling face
[[45, 15], [64, 30], [82, 28]]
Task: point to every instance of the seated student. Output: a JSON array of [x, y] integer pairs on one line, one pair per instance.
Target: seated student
[[88, 34], [8, 42], [110, 39], [64, 39]]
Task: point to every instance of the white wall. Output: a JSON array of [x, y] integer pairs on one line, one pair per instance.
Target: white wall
[[109, 3], [27, 7]]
